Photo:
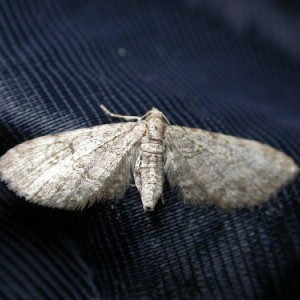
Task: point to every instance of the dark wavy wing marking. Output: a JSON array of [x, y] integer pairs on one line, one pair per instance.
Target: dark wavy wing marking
[[211, 168], [72, 169]]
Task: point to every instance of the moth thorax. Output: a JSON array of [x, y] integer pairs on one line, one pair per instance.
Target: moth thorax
[[156, 130]]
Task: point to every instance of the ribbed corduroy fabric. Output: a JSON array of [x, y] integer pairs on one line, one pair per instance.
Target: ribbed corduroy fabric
[[61, 59]]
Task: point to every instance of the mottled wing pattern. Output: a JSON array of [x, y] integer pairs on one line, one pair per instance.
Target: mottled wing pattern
[[215, 169], [73, 169]]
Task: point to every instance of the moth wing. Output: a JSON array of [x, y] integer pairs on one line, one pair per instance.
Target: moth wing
[[214, 169], [72, 169]]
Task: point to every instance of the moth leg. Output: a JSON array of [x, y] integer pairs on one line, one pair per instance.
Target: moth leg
[[132, 184], [112, 115], [163, 199], [137, 174]]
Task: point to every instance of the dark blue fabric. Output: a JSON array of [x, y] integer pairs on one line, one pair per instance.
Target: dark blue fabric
[[230, 68]]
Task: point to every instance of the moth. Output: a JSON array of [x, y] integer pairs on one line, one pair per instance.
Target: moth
[[73, 169]]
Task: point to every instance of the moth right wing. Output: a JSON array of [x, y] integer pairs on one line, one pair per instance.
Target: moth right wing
[[214, 169], [72, 169]]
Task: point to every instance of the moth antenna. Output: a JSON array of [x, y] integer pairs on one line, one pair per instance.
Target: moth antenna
[[113, 115]]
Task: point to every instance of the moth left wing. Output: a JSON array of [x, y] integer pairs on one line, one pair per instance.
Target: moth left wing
[[72, 169], [211, 168]]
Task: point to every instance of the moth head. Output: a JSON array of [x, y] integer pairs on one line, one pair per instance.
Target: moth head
[[155, 113]]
